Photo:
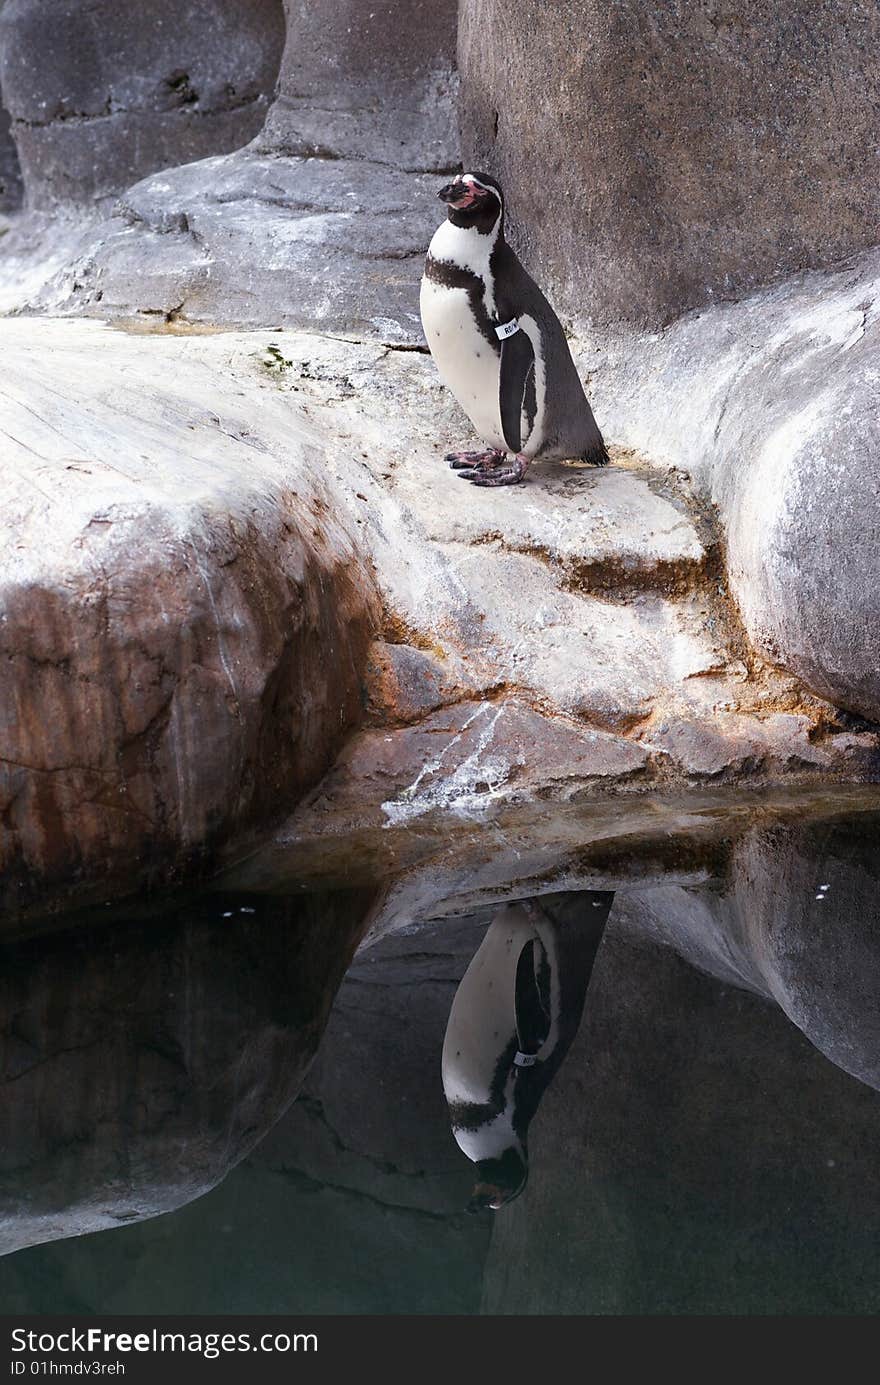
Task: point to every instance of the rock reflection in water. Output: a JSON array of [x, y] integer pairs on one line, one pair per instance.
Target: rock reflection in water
[[142, 1059], [696, 1154], [512, 1021], [695, 1151]]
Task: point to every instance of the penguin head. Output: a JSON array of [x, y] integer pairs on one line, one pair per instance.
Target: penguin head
[[499, 1180], [474, 201]]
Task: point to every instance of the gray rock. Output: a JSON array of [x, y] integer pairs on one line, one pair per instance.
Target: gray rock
[[259, 240], [234, 518], [183, 616], [315, 225], [676, 155], [405, 684], [99, 99], [375, 83], [468, 758], [772, 406]]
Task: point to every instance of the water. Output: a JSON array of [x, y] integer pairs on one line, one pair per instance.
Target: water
[[706, 1127]]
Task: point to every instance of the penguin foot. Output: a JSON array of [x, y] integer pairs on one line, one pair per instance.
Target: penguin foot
[[490, 457], [496, 474]]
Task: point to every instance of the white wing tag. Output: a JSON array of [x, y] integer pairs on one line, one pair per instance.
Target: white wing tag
[[507, 329], [524, 1060]]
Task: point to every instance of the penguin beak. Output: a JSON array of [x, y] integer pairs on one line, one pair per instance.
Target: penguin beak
[[485, 1196], [458, 194]]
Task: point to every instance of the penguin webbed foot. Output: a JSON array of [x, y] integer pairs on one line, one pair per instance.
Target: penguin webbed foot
[[460, 461], [497, 474]]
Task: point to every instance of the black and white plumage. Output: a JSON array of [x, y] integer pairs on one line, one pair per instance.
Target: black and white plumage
[[498, 344], [513, 1018]]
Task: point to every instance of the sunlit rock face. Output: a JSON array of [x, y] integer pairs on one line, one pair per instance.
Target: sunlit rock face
[[677, 155], [101, 94], [142, 1060], [184, 622], [771, 404]]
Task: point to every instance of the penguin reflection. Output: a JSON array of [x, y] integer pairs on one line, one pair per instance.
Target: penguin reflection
[[514, 1016]]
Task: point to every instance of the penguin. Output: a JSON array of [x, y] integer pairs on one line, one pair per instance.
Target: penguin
[[498, 344], [513, 1019]]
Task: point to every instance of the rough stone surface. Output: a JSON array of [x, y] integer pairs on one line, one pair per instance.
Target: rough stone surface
[[686, 153], [375, 83], [98, 100], [184, 617], [143, 1059], [597, 529], [255, 240], [741, 744], [467, 756], [314, 224], [405, 684], [772, 406], [233, 517]]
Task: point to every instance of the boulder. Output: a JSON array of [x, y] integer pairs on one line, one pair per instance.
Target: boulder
[[771, 405], [249, 239], [184, 616], [99, 97], [227, 549], [322, 222], [665, 156]]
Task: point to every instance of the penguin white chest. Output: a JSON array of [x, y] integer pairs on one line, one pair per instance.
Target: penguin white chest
[[468, 364]]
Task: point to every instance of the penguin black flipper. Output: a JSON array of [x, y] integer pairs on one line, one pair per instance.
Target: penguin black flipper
[[517, 387]]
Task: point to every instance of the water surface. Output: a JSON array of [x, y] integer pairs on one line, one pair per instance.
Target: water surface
[[706, 1141]]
